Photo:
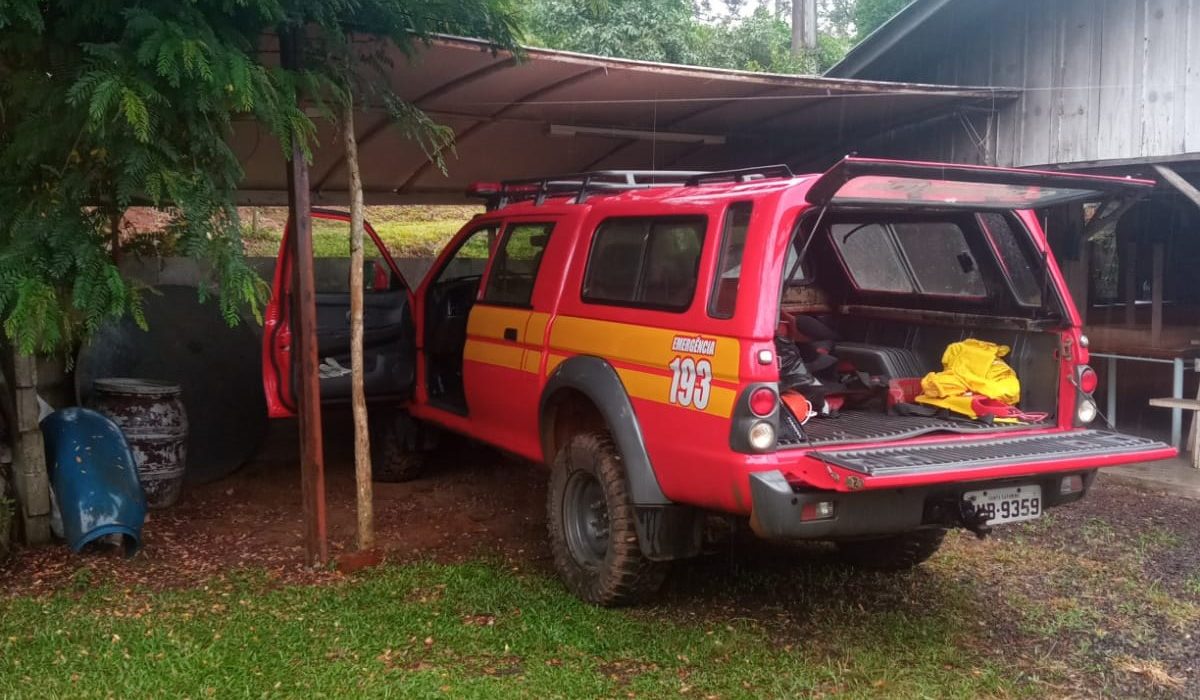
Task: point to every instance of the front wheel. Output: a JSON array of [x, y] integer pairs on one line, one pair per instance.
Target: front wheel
[[894, 552], [591, 521]]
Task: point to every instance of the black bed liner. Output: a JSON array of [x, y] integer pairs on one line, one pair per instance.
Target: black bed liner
[[859, 426], [981, 453]]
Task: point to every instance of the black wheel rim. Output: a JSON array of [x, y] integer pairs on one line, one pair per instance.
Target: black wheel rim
[[585, 519]]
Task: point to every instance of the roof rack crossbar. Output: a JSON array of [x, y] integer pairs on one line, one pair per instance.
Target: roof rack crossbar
[[741, 174], [580, 185]]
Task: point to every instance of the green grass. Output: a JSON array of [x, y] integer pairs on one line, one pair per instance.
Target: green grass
[[471, 630], [406, 231]]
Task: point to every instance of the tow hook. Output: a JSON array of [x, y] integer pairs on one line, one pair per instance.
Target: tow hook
[[974, 518]]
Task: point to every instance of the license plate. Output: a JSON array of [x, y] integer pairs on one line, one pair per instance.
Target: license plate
[[1010, 504]]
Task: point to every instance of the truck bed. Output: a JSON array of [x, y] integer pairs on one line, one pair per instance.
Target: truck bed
[[853, 426]]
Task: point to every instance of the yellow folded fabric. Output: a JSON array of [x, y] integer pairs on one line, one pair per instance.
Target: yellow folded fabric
[[971, 367]]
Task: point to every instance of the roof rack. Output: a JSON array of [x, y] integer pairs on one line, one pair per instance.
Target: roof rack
[[581, 185], [761, 172]]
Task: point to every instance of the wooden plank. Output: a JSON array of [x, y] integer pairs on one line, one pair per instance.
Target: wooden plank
[[1073, 127], [1168, 402], [1040, 27], [1120, 57], [1177, 181], [1162, 104], [1008, 69], [1191, 80]]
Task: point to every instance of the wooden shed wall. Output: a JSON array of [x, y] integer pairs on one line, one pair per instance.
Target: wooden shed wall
[[1103, 79]]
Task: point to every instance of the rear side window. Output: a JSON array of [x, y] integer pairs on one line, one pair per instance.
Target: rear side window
[[729, 271], [873, 261], [645, 262], [1019, 267], [510, 282]]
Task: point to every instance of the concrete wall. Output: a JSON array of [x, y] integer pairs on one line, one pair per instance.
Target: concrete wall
[[330, 273]]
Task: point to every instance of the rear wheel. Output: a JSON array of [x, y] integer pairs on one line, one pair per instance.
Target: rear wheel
[[591, 522], [894, 552], [400, 446]]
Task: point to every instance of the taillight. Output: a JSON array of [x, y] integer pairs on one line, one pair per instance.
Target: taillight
[[1087, 380], [762, 402]]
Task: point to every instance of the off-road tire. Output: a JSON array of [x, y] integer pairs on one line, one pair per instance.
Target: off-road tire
[[399, 449], [892, 553], [623, 576]]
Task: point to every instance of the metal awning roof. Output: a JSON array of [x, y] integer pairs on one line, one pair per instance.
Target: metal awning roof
[[562, 112]]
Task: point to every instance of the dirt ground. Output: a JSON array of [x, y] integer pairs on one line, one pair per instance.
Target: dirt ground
[[1099, 598]]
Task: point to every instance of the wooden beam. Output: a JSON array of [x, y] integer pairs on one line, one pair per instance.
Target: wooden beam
[[1177, 181], [304, 334], [1157, 281], [30, 479]]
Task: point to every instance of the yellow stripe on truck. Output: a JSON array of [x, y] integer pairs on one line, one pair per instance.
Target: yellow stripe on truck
[[507, 355], [651, 352], [657, 388], [645, 345]]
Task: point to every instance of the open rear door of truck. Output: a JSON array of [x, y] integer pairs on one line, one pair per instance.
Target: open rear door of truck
[[856, 182]]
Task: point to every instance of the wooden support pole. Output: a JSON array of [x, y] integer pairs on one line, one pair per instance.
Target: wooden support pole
[[304, 323], [1177, 181], [1157, 281], [1130, 264], [362, 438]]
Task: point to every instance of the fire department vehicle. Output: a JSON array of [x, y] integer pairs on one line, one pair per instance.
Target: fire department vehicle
[[626, 329]]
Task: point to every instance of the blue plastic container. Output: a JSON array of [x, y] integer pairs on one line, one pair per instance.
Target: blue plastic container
[[94, 478]]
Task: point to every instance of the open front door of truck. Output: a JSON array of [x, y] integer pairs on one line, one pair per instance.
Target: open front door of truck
[[389, 332], [859, 182]]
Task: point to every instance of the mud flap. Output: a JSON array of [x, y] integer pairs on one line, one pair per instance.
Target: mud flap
[[669, 531]]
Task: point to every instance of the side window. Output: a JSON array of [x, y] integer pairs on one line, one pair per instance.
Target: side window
[[471, 257], [516, 267], [652, 263], [871, 257], [729, 269], [1021, 268], [331, 249]]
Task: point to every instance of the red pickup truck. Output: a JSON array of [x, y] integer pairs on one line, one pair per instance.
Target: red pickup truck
[[627, 330]]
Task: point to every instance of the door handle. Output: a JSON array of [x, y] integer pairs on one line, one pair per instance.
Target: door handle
[[510, 334]]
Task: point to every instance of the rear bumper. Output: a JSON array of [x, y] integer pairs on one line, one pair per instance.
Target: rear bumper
[[777, 506]]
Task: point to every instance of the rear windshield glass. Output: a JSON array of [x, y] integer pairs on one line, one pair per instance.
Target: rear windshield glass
[[926, 257]]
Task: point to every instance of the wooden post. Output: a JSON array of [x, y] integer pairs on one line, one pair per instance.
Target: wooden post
[[1130, 265], [362, 438], [1157, 280], [304, 324], [31, 483]]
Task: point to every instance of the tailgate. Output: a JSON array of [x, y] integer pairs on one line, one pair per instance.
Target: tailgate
[[996, 456]]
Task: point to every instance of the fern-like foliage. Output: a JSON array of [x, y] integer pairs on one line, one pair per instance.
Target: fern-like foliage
[[107, 104]]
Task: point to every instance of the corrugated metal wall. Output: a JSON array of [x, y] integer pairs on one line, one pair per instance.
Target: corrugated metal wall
[[1104, 79]]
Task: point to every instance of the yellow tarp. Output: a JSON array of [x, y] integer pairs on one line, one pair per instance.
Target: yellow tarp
[[969, 368]]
